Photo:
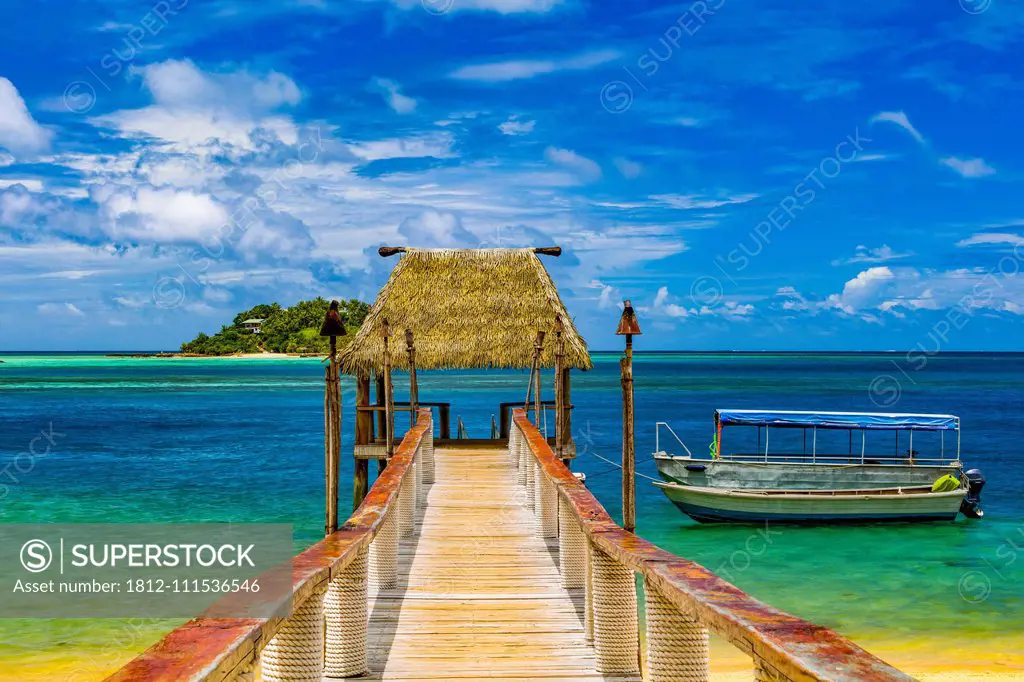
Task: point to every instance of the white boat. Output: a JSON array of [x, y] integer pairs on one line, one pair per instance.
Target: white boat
[[810, 506], [781, 462]]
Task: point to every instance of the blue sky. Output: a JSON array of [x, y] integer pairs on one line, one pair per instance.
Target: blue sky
[[752, 175]]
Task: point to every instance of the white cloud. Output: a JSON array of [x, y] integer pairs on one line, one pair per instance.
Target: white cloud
[[607, 296], [628, 169], [192, 106], [436, 229], [992, 238], [899, 118], [181, 84], [702, 201], [514, 126], [31, 184], [968, 168], [436, 145], [19, 132], [498, 72], [881, 254], [158, 215], [392, 91], [584, 167], [896, 291], [726, 309], [61, 309], [687, 121]]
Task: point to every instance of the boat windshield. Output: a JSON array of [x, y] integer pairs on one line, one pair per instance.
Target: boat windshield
[[829, 437]]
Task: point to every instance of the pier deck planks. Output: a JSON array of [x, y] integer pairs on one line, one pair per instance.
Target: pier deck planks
[[479, 595]]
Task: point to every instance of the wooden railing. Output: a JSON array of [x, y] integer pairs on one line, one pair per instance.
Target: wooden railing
[[329, 583], [683, 599]]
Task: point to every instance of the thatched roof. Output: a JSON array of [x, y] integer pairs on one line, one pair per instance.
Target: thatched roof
[[466, 308]]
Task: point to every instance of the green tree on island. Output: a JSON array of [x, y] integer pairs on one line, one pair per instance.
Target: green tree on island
[[283, 330]]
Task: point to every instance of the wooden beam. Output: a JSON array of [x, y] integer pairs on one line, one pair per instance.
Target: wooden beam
[[388, 251], [555, 251]]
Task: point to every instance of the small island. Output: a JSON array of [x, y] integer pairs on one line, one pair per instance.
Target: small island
[[269, 328]]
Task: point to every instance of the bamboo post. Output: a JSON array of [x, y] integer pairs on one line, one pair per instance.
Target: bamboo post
[[414, 390], [332, 327], [389, 397], [628, 326]]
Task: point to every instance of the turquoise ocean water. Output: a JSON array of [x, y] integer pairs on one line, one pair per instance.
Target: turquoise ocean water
[[196, 440]]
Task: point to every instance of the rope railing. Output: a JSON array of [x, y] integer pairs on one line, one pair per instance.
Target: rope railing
[[326, 632], [684, 601]]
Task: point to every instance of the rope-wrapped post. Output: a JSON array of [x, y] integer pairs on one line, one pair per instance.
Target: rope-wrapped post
[[588, 609], [547, 505], [677, 646], [384, 553], [428, 455], [296, 653], [418, 471], [616, 633], [513, 445], [572, 548], [407, 506], [345, 612], [522, 475], [531, 476]]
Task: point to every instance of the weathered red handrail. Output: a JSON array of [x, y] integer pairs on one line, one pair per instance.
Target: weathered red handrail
[[796, 648], [214, 648]]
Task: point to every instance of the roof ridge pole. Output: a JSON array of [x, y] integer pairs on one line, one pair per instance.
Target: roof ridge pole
[[389, 396]]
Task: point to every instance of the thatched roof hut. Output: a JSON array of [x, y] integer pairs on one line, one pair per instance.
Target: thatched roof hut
[[466, 308]]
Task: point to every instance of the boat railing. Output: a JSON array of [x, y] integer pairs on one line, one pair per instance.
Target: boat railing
[[657, 437], [684, 601], [856, 458], [326, 632]]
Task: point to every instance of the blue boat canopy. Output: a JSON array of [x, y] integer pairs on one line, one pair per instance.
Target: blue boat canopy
[[870, 421]]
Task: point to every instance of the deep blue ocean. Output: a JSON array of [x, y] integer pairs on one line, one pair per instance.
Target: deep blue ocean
[[165, 440]]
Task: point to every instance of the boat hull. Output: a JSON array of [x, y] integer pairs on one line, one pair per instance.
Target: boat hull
[[712, 505], [721, 473]]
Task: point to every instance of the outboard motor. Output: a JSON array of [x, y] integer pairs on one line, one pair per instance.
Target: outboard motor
[[970, 507]]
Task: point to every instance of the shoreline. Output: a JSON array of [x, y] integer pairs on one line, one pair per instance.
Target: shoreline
[[232, 356]]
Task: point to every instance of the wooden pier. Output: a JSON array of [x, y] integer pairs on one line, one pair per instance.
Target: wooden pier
[[488, 560]]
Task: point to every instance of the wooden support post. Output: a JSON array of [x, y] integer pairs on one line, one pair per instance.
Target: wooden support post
[[364, 435], [333, 327], [444, 414], [332, 439], [538, 348], [389, 396], [414, 391], [560, 439], [628, 447], [566, 411], [628, 326], [382, 420]]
